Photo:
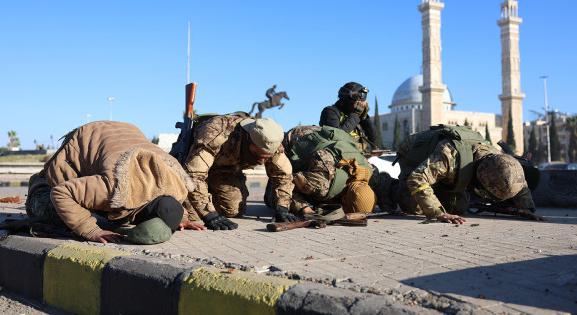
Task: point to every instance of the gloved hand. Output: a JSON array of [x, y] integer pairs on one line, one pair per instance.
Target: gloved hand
[[365, 113], [282, 214], [215, 221], [360, 107]]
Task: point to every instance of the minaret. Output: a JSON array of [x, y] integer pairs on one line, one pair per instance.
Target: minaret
[[511, 96], [433, 88]]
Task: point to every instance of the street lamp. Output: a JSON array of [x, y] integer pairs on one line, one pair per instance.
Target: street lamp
[[544, 78], [110, 99]]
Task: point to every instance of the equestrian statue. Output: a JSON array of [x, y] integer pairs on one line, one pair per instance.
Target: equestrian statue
[[274, 99]]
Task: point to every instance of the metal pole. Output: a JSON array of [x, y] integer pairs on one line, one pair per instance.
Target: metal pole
[[110, 99], [188, 56], [547, 117]]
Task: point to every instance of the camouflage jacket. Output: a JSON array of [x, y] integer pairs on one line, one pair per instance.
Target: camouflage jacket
[[440, 170], [312, 185], [218, 148]]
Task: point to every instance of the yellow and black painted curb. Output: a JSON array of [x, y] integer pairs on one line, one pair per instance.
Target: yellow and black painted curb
[[84, 279]]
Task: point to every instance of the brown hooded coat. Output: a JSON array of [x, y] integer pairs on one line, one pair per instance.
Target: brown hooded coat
[[110, 167]]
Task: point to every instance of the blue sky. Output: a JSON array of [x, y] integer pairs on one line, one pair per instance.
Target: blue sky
[[60, 60]]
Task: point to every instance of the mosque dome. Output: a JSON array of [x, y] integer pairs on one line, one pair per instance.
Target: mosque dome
[[408, 96]]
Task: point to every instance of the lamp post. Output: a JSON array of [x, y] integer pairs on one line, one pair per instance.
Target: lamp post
[[544, 78]]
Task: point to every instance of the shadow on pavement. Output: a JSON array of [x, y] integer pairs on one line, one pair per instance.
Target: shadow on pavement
[[549, 283], [558, 216]]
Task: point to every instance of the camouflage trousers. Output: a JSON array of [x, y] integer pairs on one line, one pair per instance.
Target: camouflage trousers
[[229, 193], [38, 203], [454, 203]]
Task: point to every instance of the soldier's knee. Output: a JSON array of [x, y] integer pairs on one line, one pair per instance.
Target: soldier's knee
[[231, 205]]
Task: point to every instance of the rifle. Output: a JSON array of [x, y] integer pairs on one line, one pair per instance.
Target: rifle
[[333, 216], [286, 226], [180, 148], [487, 207]]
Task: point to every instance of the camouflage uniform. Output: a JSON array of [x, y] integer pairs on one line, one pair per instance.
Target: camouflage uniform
[[426, 189], [217, 156], [314, 179], [385, 188]]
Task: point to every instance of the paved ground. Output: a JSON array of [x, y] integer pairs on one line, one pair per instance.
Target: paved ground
[[491, 264], [13, 304]]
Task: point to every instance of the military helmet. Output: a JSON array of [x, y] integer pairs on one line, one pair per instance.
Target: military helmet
[[501, 175], [359, 197], [353, 91]]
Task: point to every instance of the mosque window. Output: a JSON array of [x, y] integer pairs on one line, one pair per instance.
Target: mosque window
[[385, 126]]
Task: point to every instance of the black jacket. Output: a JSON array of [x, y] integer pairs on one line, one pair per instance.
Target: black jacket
[[331, 115]]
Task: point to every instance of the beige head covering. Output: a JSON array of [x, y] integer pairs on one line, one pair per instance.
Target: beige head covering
[[265, 133], [359, 197]]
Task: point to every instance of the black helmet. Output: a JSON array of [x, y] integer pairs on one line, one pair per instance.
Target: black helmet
[[353, 91]]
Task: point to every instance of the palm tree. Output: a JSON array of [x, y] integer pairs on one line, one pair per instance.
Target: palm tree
[[14, 142]]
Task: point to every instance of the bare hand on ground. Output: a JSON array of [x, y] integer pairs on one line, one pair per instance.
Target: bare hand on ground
[[308, 210], [451, 218], [105, 236], [190, 225], [531, 216]]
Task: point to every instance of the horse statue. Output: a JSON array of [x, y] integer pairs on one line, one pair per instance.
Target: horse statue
[[264, 105]]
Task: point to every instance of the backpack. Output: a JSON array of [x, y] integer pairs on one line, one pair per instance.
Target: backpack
[[417, 147], [338, 142]]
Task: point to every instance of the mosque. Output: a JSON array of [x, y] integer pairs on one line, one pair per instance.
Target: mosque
[[423, 100]]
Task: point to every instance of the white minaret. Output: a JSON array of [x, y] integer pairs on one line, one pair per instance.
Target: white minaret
[[511, 96], [433, 88]]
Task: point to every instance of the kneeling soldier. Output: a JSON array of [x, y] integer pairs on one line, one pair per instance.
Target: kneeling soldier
[[441, 166], [328, 169], [223, 146]]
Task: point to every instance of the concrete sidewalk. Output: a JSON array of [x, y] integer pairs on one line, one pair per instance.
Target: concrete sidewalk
[[396, 264]]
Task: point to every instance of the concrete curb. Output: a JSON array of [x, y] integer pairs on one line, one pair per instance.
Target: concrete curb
[[84, 279], [14, 183]]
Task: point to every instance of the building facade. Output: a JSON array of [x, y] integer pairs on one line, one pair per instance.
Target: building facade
[[407, 107], [424, 100]]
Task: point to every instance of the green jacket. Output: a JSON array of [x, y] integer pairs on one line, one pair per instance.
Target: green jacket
[[341, 145]]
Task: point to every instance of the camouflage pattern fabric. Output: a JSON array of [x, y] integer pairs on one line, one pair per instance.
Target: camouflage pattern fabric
[[501, 175], [316, 180], [229, 193], [220, 146], [439, 168], [425, 190], [296, 133]]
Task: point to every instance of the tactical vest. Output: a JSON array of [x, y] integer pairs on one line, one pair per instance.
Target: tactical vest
[[339, 143], [355, 132], [417, 147]]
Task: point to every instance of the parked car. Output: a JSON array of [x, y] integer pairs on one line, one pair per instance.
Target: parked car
[[384, 163], [558, 166]]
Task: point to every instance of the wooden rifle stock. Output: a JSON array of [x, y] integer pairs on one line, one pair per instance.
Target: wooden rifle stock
[[286, 226], [190, 98], [180, 148]]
